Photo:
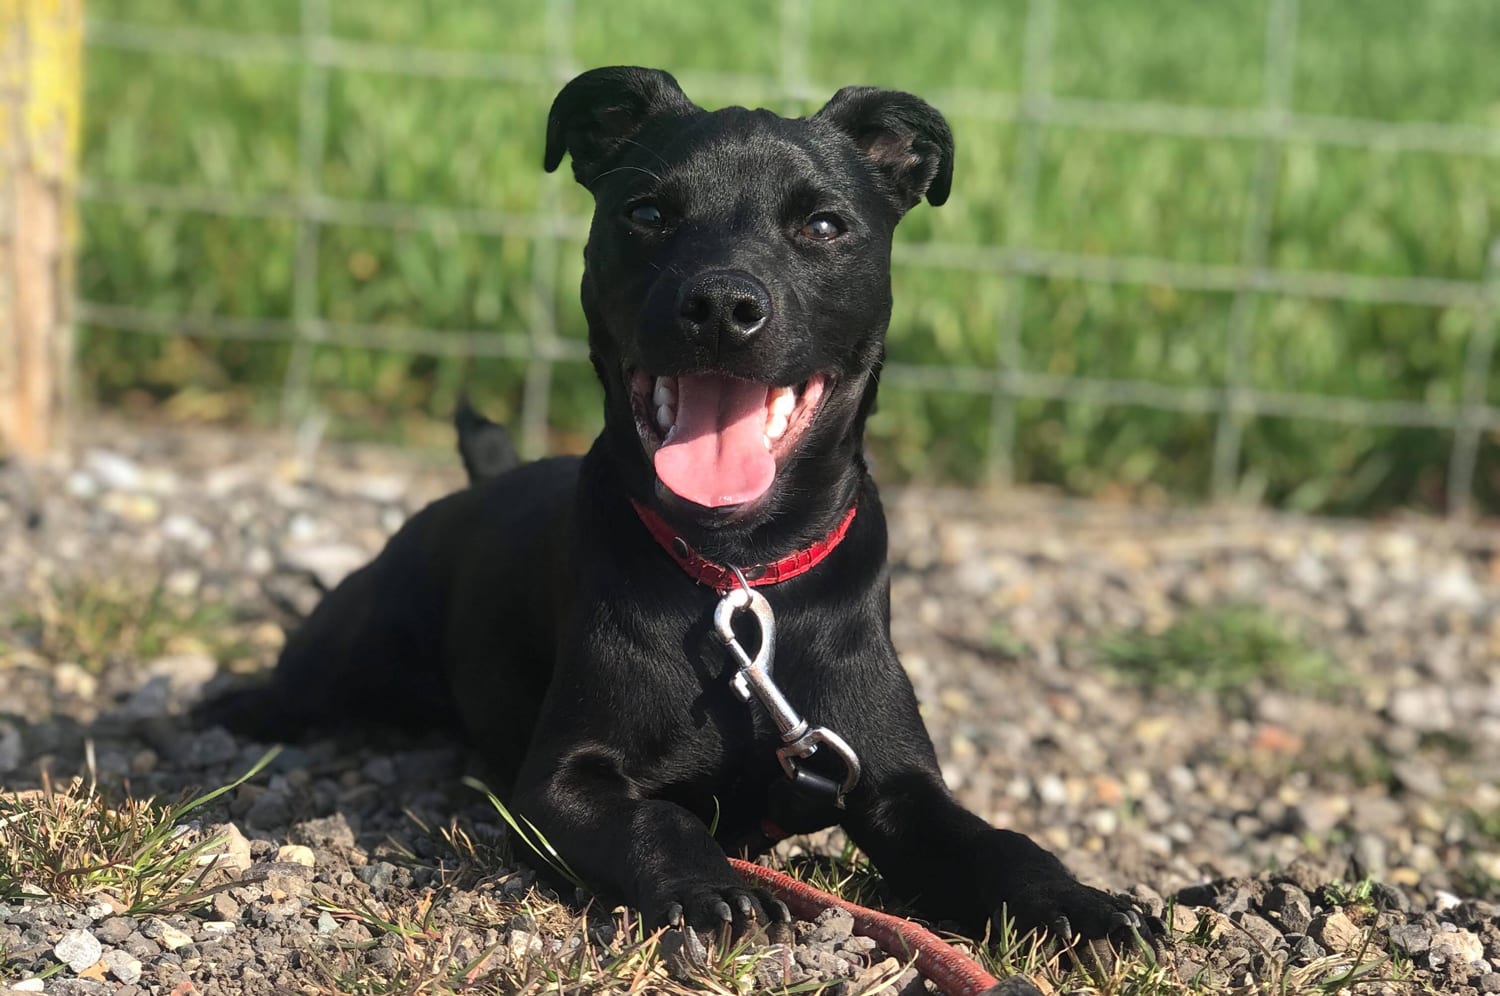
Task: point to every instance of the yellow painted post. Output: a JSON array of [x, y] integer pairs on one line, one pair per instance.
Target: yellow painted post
[[41, 54]]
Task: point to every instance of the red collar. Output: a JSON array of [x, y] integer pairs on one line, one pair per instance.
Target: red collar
[[720, 577]]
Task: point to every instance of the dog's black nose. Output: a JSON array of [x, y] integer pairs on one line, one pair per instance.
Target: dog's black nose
[[729, 304]]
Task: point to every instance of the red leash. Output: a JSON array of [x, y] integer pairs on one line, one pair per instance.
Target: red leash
[[949, 969]]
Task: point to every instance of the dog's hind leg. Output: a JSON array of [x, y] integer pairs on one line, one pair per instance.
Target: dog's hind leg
[[356, 661]]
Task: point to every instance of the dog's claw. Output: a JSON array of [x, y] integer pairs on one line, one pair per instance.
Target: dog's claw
[[1063, 930], [723, 912], [746, 907], [674, 915], [782, 914]]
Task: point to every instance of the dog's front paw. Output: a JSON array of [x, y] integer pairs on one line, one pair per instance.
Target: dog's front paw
[[708, 908], [1070, 911]]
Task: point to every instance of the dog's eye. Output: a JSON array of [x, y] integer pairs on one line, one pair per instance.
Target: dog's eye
[[645, 214], [823, 227]]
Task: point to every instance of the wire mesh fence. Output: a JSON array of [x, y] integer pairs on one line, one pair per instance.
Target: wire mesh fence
[[1034, 110]]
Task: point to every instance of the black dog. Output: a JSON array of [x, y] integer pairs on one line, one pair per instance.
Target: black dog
[[737, 290]]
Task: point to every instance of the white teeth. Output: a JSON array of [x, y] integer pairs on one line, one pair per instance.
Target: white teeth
[[783, 402], [776, 426], [664, 399]]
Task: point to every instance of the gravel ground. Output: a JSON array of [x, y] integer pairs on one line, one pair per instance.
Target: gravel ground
[[1295, 825]]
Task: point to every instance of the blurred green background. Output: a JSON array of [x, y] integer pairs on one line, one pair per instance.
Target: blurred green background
[[171, 115]]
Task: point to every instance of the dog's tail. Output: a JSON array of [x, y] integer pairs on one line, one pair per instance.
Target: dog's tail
[[485, 446]]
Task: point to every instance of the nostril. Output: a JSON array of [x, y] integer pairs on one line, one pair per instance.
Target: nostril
[[696, 308], [748, 312]]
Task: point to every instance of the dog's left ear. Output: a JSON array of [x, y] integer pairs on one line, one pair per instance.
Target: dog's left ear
[[595, 115], [905, 138]]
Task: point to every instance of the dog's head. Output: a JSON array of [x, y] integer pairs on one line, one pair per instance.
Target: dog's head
[[737, 281]]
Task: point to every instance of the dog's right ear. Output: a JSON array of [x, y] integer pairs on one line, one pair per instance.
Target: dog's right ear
[[595, 115]]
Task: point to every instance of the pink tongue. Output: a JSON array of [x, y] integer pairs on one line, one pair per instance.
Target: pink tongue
[[717, 452]]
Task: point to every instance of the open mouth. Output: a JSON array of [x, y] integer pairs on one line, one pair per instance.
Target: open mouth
[[716, 440]]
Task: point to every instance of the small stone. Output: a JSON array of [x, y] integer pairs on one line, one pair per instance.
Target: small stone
[[218, 928], [70, 679], [233, 850], [123, 967], [1411, 938], [377, 876], [1489, 982], [1423, 707], [1336, 932], [114, 471], [773, 970], [78, 949], [296, 854], [1184, 920], [115, 929], [141, 946], [1289, 908], [223, 908], [170, 937], [326, 923], [212, 748], [862, 946], [832, 925], [1460, 947], [1261, 930], [329, 832], [1308, 950], [29, 986], [269, 810]]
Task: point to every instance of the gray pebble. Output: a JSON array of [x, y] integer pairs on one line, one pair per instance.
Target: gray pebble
[[221, 907], [115, 929], [1288, 907], [1411, 939], [269, 810], [78, 949], [123, 966], [832, 925]]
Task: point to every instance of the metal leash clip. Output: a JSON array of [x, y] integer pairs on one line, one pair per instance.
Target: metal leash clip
[[753, 680]]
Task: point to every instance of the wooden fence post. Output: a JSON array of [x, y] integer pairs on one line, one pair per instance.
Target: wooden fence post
[[41, 49]]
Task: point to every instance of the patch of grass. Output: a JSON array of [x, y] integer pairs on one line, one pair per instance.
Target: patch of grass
[[1226, 650], [97, 622], [74, 844], [212, 125], [427, 960], [1341, 894], [529, 835]]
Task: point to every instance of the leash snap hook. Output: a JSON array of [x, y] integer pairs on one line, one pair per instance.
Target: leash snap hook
[[807, 745], [735, 601], [753, 681]]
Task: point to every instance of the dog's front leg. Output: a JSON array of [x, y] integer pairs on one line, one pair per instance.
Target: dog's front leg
[[653, 854], [945, 860]]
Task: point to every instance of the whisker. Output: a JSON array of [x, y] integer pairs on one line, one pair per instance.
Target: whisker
[[638, 169]]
